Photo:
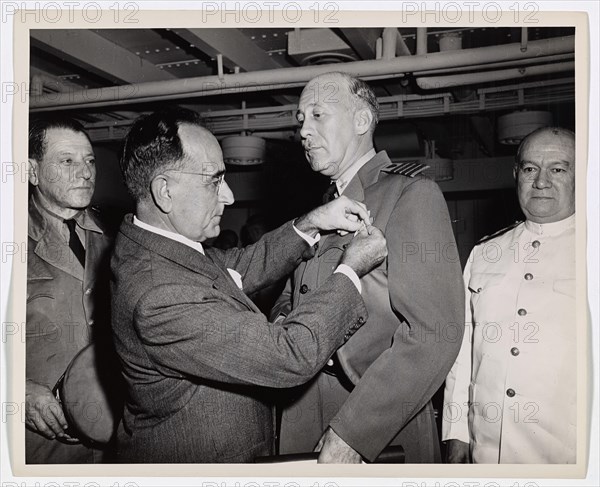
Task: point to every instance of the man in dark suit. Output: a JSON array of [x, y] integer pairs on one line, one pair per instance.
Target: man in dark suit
[[377, 389], [67, 283], [198, 357]]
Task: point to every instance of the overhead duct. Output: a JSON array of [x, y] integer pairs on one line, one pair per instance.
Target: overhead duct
[[289, 77], [318, 46], [243, 150], [514, 127]]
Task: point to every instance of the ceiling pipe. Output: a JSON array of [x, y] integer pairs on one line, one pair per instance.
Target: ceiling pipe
[[502, 64], [288, 77], [421, 41], [393, 44], [451, 81]]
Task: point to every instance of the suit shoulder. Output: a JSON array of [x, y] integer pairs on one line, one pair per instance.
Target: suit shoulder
[[499, 233]]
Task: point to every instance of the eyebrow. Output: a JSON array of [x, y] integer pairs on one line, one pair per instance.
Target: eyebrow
[[561, 161]]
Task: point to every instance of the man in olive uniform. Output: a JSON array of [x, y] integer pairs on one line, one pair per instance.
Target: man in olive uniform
[[66, 293]]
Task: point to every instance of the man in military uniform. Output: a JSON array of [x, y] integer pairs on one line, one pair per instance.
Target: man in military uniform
[[511, 395], [377, 389], [66, 291]]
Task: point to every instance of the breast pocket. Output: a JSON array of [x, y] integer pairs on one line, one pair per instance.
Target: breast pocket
[[41, 308], [483, 283]]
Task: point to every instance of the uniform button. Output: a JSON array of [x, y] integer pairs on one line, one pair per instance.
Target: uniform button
[[514, 351], [91, 322], [536, 244], [316, 246], [303, 289], [330, 362], [528, 276], [361, 320], [345, 246], [510, 392], [88, 291], [522, 312]]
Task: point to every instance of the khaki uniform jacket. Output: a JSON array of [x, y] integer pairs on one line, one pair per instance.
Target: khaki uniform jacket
[[67, 306], [398, 360]]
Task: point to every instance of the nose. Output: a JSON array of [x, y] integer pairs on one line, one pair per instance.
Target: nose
[[305, 129], [542, 181], [225, 194], [84, 170]]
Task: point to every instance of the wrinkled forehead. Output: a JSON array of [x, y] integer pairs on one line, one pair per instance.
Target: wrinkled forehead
[[201, 148], [66, 138], [325, 90]]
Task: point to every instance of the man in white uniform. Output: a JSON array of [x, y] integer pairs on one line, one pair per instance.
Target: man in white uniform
[[511, 395]]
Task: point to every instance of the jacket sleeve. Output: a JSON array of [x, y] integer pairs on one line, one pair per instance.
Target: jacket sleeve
[[267, 261], [283, 305], [426, 292], [201, 332], [455, 418]]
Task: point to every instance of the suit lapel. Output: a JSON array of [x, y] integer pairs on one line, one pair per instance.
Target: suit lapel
[[187, 257]]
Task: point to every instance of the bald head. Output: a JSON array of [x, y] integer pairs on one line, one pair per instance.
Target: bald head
[[545, 174]]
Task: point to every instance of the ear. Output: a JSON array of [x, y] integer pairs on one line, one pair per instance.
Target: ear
[[515, 169], [159, 188], [362, 121], [33, 171]]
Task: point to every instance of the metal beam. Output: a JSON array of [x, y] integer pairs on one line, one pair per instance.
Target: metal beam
[[94, 53], [362, 40], [236, 49]]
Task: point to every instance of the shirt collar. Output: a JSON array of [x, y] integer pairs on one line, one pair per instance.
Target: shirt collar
[[51, 219], [173, 236], [346, 176], [551, 229]]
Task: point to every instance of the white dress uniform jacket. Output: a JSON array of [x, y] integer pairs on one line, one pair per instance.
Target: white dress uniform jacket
[[512, 392]]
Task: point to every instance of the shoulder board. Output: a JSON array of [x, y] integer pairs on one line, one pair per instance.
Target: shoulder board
[[405, 168], [487, 238]]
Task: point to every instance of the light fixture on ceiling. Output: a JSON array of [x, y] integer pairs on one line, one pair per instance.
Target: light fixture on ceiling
[[515, 126], [243, 150]]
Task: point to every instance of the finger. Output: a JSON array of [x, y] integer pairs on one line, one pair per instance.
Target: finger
[[54, 418], [359, 209], [41, 427]]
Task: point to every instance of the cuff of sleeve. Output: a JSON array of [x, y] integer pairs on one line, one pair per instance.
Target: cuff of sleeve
[[309, 240], [348, 271]]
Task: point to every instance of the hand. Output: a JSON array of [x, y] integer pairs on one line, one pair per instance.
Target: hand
[[339, 214], [335, 450], [366, 251], [43, 413], [457, 452]]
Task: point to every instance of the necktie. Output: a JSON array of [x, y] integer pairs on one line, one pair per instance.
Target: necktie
[[331, 193], [74, 242]]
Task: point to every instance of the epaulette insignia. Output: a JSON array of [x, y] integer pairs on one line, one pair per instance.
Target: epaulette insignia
[[405, 168], [487, 238]]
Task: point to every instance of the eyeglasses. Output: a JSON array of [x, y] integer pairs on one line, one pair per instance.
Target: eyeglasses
[[215, 179]]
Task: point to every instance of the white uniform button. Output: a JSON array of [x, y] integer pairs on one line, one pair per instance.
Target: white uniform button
[[528, 276], [88, 291]]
